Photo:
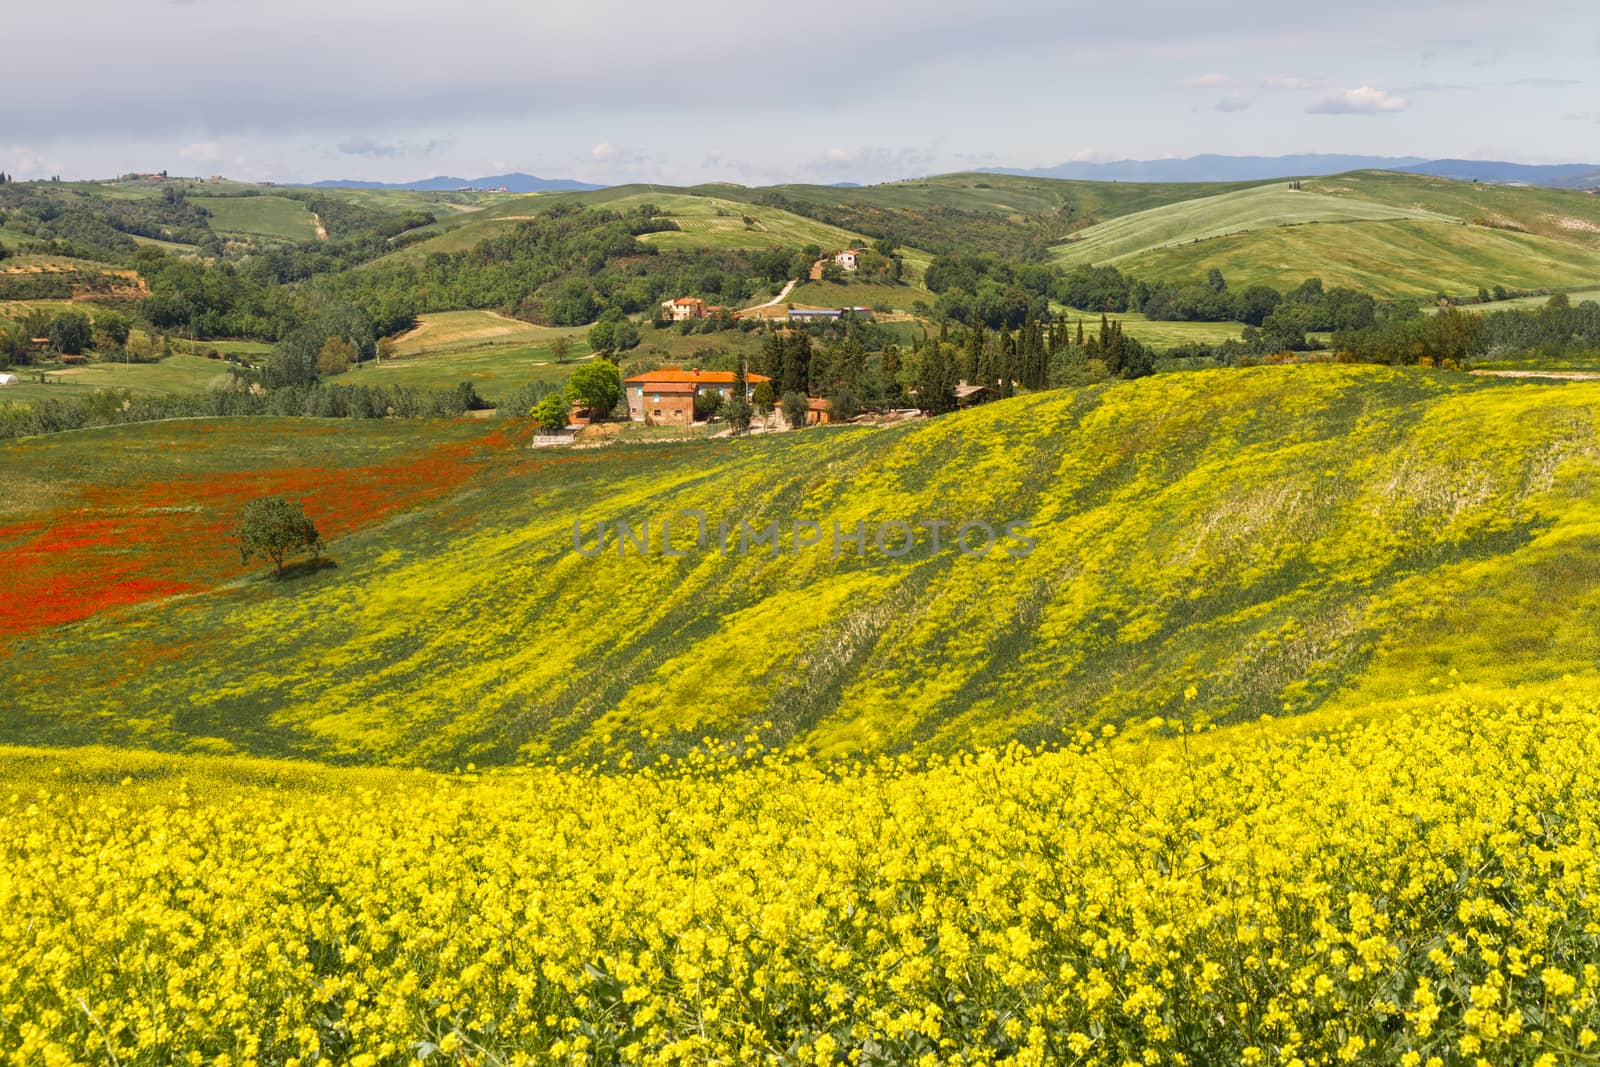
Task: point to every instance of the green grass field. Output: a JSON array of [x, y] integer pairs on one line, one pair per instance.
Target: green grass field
[[166, 246], [850, 294], [260, 216], [1523, 303], [495, 371], [1392, 259], [1006, 195], [1217, 216], [495, 353], [1561, 214], [175, 374], [1157, 333], [1184, 527]]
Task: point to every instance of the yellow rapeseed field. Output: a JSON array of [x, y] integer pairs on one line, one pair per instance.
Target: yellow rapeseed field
[[1419, 887]]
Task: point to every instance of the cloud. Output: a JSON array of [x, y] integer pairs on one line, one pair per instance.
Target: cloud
[[1229, 104], [1205, 81], [1546, 83], [876, 163], [1364, 100], [26, 163], [610, 156], [362, 145], [1433, 87], [202, 152], [1290, 83]]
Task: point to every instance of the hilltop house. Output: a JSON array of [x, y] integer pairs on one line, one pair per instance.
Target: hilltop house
[[666, 397], [685, 307]]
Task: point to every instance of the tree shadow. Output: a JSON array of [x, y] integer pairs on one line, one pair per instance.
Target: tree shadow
[[304, 568]]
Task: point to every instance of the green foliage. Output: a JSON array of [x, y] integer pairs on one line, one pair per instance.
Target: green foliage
[[738, 412], [335, 356], [795, 408], [274, 528], [70, 333], [551, 412], [112, 330], [597, 385]]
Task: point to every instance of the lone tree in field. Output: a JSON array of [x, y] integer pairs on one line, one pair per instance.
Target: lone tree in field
[[274, 528]]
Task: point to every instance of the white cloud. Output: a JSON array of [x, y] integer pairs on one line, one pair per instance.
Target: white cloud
[[1205, 81], [1231, 103], [603, 152], [202, 152], [1289, 83], [874, 163], [1364, 100], [26, 163]]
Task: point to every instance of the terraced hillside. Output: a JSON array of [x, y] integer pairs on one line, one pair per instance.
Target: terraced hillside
[[1278, 540]]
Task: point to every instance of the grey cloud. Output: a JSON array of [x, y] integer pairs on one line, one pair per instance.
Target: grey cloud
[[362, 145], [507, 60], [877, 162]]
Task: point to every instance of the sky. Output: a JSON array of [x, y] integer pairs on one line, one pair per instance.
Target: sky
[[612, 91]]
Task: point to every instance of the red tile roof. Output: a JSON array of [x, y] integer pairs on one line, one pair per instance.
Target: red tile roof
[[700, 377]]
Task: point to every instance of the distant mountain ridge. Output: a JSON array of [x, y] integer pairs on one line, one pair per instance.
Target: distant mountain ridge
[[1220, 168], [515, 183]]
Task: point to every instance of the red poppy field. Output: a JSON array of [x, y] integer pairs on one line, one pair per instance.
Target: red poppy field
[[84, 532]]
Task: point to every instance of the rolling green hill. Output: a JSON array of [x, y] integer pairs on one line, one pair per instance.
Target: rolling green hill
[[1395, 259], [1565, 215], [703, 221], [1216, 216], [1394, 235], [260, 216], [1278, 539]]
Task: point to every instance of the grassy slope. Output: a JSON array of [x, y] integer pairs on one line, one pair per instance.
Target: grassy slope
[[1279, 538], [495, 353], [260, 216], [705, 221], [1556, 213], [1216, 216], [1535, 238], [1153, 332], [1395, 259], [846, 294], [1001, 194], [175, 374]]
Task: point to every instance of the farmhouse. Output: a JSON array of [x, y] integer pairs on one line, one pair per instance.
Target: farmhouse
[[968, 395], [819, 411], [665, 397], [685, 307], [849, 259], [827, 314]]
